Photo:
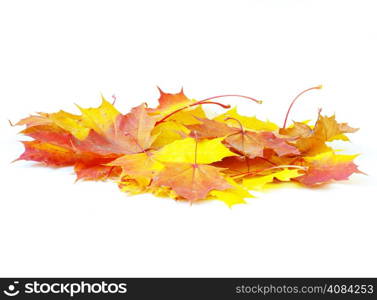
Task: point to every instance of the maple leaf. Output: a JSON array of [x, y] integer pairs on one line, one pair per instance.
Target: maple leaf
[[175, 127], [191, 181], [258, 182], [171, 102], [249, 143], [98, 119], [51, 134], [298, 130], [101, 130], [132, 186], [188, 150], [189, 116], [232, 196], [251, 123], [101, 134], [138, 124], [129, 134], [186, 171], [328, 129], [138, 165], [48, 154], [95, 171], [168, 132], [328, 166], [253, 144], [311, 141], [241, 165], [87, 165], [34, 120], [209, 129]]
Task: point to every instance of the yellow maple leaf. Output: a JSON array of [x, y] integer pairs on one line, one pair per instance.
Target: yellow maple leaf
[[189, 116], [251, 123], [258, 182], [331, 157], [235, 195], [183, 151], [100, 118], [70, 122], [341, 137], [167, 132]]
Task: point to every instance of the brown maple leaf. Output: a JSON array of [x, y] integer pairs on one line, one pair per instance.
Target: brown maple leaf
[[210, 129], [245, 142], [313, 141]]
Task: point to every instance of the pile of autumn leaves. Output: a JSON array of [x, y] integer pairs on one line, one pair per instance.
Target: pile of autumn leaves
[[175, 151]]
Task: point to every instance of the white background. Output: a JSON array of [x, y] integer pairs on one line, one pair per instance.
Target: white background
[[56, 53]]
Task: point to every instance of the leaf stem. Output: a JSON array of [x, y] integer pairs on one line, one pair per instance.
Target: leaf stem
[[109, 173], [233, 95], [135, 141], [295, 99], [238, 121], [188, 106], [242, 131], [207, 101], [303, 168], [114, 99], [196, 149]]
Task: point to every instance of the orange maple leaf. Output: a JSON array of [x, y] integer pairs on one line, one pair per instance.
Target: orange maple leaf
[[313, 141], [326, 167], [191, 181], [170, 102]]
